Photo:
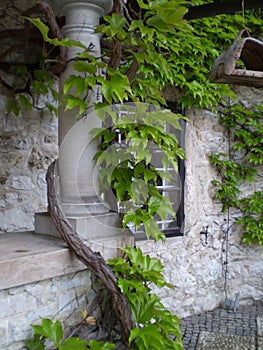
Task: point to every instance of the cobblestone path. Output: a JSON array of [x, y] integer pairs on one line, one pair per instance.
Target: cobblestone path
[[246, 322]]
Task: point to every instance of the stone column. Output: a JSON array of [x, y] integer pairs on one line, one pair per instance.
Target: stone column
[[78, 176]]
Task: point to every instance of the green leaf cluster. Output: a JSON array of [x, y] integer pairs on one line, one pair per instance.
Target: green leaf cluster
[[126, 167], [156, 327], [41, 84], [242, 165], [53, 332], [166, 49]]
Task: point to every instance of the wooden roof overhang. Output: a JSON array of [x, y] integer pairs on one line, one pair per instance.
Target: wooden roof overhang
[[250, 52], [219, 7]]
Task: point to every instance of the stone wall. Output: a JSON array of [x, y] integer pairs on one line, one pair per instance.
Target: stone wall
[[28, 145], [59, 298], [194, 268]]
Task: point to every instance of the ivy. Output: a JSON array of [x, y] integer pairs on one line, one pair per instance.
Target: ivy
[[128, 171], [156, 327], [52, 331], [126, 168], [156, 48], [242, 165]]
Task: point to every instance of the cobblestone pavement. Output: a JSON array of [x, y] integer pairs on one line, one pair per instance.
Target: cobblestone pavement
[[246, 321]]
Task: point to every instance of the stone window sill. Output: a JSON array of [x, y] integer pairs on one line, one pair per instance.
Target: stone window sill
[[26, 257]]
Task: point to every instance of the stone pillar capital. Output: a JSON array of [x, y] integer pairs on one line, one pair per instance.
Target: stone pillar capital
[[62, 6], [83, 14]]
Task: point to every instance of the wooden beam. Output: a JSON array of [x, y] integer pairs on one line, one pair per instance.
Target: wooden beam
[[221, 7]]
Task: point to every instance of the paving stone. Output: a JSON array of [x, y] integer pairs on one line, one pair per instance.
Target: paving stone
[[218, 341], [246, 323], [260, 343], [259, 326], [260, 332]]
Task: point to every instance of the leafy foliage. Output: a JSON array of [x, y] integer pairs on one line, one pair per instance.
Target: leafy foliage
[[166, 49], [243, 164], [244, 125], [53, 332], [126, 168], [155, 48], [156, 327], [39, 85]]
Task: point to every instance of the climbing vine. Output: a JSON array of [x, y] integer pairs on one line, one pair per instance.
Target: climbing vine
[[243, 164], [145, 50]]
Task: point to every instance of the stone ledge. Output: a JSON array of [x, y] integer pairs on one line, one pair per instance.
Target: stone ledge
[[26, 257]]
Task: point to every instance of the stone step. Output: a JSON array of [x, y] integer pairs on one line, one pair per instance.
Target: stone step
[[88, 227]]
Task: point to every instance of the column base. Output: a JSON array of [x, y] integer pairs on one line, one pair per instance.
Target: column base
[[102, 232], [86, 209]]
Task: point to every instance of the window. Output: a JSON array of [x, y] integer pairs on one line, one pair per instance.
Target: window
[[174, 189]]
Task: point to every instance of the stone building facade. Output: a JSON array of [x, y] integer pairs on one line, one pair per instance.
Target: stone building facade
[[52, 283], [194, 267]]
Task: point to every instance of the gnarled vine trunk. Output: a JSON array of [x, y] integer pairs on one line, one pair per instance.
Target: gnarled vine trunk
[[93, 260]]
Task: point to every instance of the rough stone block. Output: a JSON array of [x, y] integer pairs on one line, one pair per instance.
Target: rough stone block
[[22, 183], [4, 331], [14, 219]]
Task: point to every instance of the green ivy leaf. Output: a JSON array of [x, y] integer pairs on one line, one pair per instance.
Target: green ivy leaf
[[25, 102], [72, 101], [143, 308], [148, 337], [131, 216], [117, 87], [37, 343], [100, 345], [172, 13], [74, 81], [73, 344], [51, 108], [116, 23], [158, 23], [44, 30], [154, 204], [81, 66], [165, 209], [50, 330]]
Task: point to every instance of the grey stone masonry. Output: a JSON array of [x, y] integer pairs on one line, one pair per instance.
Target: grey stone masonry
[[28, 145], [39, 278], [224, 326]]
